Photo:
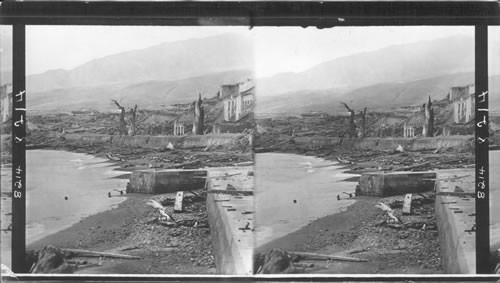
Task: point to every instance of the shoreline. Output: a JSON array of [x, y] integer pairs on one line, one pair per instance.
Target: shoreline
[[333, 183], [125, 230], [91, 178], [125, 226], [343, 232], [356, 231], [292, 240]]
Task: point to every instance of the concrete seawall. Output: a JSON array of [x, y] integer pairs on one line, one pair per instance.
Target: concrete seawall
[[166, 181], [231, 220], [157, 141], [395, 183], [455, 217], [421, 143]]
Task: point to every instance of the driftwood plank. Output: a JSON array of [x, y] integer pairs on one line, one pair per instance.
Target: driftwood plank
[[405, 168], [99, 254], [331, 257], [226, 192]]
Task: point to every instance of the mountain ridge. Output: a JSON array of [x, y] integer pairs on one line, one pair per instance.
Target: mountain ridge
[[401, 63], [382, 96], [165, 61]]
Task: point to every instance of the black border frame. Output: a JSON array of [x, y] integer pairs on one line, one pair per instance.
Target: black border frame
[[482, 152], [480, 14], [258, 13]]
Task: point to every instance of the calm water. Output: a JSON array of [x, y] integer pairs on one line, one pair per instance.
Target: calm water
[[53, 175], [294, 190]]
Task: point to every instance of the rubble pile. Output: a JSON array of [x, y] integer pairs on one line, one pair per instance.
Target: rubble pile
[[411, 242]]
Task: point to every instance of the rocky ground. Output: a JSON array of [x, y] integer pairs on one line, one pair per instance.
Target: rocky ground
[[133, 229], [361, 161], [361, 232], [136, 158]]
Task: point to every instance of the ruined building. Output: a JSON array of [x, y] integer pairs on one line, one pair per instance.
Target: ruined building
[[459, 91], [179, 129], [238, 100], [6, 101], [463, 100], [408, 131]]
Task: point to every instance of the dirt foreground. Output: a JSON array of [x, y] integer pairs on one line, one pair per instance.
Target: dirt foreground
[[130, 229], [361, 232]]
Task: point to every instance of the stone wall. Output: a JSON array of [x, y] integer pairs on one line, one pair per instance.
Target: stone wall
[[231, 221], [166, 181], [222, 240], [421, 143], [455, 217], [383, 184], [157, 141]]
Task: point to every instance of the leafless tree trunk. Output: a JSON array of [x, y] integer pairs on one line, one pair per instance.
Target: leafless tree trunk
[[352, 125], [199, 114], [362, 132], [429, 118], [133, 120], [123, 124]]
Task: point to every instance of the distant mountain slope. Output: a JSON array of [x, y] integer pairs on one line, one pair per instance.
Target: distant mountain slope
[[165, 62], [394, 64], [375, 97], [148, 94]]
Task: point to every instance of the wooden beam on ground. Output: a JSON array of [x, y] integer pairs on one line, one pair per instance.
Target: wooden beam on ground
[[330, 257], [217, 176], [226, 192], [405, 168], [98, 254]]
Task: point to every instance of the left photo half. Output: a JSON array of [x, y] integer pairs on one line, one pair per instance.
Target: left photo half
[[138, 150]]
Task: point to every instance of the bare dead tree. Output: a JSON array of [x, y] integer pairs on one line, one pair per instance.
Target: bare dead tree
[[429, 119], [133, 120], [199, 117], [352, 124], [123, 124], [362, 131]]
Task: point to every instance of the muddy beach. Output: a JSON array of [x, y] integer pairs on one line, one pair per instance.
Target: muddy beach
[[357, 232], [128, 230]]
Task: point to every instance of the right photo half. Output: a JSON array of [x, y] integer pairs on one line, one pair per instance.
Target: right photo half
[[364, 150]]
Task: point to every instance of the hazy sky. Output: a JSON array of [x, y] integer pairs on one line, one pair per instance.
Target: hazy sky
[[65, 47], [296, 49], [276, 49]]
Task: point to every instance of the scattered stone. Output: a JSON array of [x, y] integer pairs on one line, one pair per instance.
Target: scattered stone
[[51, 260], [275, 261]]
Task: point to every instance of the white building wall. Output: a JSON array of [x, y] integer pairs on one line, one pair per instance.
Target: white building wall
[[226, 110], [239, 107], [456, 112], [469, 109], [6, 107]]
